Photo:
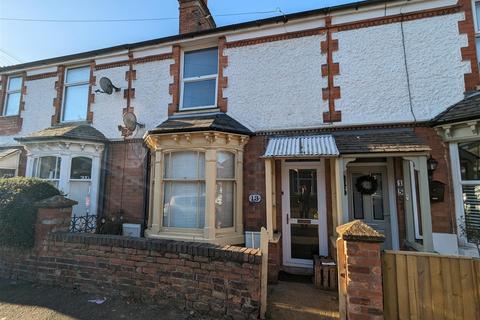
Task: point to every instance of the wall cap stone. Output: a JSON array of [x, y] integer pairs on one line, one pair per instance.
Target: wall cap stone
[[58, 201], [211, 251], [359, 231]]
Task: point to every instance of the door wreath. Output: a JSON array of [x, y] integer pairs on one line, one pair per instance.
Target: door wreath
[[366, 185]]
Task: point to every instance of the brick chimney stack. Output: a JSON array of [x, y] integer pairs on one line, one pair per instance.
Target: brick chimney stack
[[194, 16]]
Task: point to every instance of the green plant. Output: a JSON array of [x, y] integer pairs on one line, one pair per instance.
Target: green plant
[[17, 210]]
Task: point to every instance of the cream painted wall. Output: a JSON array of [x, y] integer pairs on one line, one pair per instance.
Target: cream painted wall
[[276, 85]]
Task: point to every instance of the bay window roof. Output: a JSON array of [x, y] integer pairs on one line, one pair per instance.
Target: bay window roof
[[213, 121], [69, 131]]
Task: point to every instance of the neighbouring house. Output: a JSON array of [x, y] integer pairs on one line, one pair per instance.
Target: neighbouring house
[[298, 123]]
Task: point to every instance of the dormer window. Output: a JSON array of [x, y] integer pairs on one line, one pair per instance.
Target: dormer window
[[199, 79], [13, 96], [75, 106]]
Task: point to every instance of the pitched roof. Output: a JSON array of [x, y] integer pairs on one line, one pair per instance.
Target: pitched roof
[[67, 131], [372, 141], [179, 37], [467, 109], [217, 121]]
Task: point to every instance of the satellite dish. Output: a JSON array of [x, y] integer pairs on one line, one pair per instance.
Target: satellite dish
[[130, 121], [107, 86]]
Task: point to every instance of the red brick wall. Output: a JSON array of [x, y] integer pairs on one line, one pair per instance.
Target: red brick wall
[[443, 213], [219, 281], [254, 181], [126, 180]]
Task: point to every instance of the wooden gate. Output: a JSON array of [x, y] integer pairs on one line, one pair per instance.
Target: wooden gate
[[430, 286]]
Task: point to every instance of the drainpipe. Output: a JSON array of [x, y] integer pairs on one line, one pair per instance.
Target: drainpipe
[[146, 189], [103, 178]]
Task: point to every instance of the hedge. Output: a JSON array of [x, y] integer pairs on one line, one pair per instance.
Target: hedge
[[17, 212]]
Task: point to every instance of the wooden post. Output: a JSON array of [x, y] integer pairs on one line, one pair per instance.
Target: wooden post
[[264, 238], [269, 165]]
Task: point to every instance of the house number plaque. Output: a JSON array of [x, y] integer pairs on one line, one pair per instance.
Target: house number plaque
[[254, 198]]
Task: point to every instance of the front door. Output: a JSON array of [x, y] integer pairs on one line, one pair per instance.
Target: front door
[[304, 213], [368, 198]]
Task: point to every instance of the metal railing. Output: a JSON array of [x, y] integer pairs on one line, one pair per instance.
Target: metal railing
[[84, 224]]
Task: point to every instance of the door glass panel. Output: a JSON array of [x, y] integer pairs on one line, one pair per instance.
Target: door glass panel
[[377, 198], [303, 194], [304, 241], [357, 199]]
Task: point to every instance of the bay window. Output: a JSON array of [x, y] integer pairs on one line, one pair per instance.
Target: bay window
[[469, 155], [196, 186], [75, 105], [13, 96], [199, 79]]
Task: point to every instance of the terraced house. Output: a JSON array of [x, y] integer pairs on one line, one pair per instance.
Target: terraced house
[[298, 123]]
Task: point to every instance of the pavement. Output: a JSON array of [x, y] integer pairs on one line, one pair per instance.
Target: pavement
[[21, 300], [294, 300]]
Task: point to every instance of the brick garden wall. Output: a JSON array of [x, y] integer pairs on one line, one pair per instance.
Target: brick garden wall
[[222, 282]]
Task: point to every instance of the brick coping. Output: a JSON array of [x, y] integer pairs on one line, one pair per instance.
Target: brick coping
[[212, 251]]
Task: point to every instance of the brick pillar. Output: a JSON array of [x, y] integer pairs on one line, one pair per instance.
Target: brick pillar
[[54, 214], [360, 271]]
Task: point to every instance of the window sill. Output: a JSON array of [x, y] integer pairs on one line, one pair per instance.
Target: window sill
[[224, 239], [195, 111]]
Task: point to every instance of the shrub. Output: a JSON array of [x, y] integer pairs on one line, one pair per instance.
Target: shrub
[[17, 212]]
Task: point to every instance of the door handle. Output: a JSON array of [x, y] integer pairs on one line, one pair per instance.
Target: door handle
[[288, 220]]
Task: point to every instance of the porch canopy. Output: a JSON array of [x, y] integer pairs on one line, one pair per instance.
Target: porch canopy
[[301, 147]]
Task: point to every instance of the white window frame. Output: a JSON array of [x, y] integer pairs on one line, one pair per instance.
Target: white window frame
[[476, 27], [235, 183], [173, 180], [73, 84], [9, 92], [36, 167], [195, 79], [455, 155]]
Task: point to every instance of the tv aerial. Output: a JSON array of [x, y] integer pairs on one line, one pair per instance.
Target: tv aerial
[[130, 123], [107, 86]]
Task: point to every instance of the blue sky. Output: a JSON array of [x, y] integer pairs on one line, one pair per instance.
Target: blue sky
[[23, 41]]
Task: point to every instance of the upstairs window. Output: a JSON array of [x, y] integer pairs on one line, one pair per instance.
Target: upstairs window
[[199, 79], [77, 81], [13, 96], [476, 14]]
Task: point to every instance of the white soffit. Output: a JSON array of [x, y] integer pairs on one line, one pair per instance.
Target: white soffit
[[301, 146]]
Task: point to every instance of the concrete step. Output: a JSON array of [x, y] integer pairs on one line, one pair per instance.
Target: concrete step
[[292, 300]]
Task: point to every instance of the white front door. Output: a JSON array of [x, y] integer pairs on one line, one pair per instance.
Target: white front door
[[304, 212], [372, 208]]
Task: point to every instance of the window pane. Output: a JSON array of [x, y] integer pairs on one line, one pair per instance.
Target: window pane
[[7, 173], [184, 205], [14, 83], [185, 165], [224, 204], [477, 41], [477, 11], [13, 104], [199, 93], [81, 168], [49, 168], [469, 154], [303, 193], [471, 204], [76, 102], [78, 74], [200, 63], [377, 198], [225, 165]]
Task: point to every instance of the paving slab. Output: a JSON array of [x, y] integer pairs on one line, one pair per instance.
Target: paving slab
[[293, 300]]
